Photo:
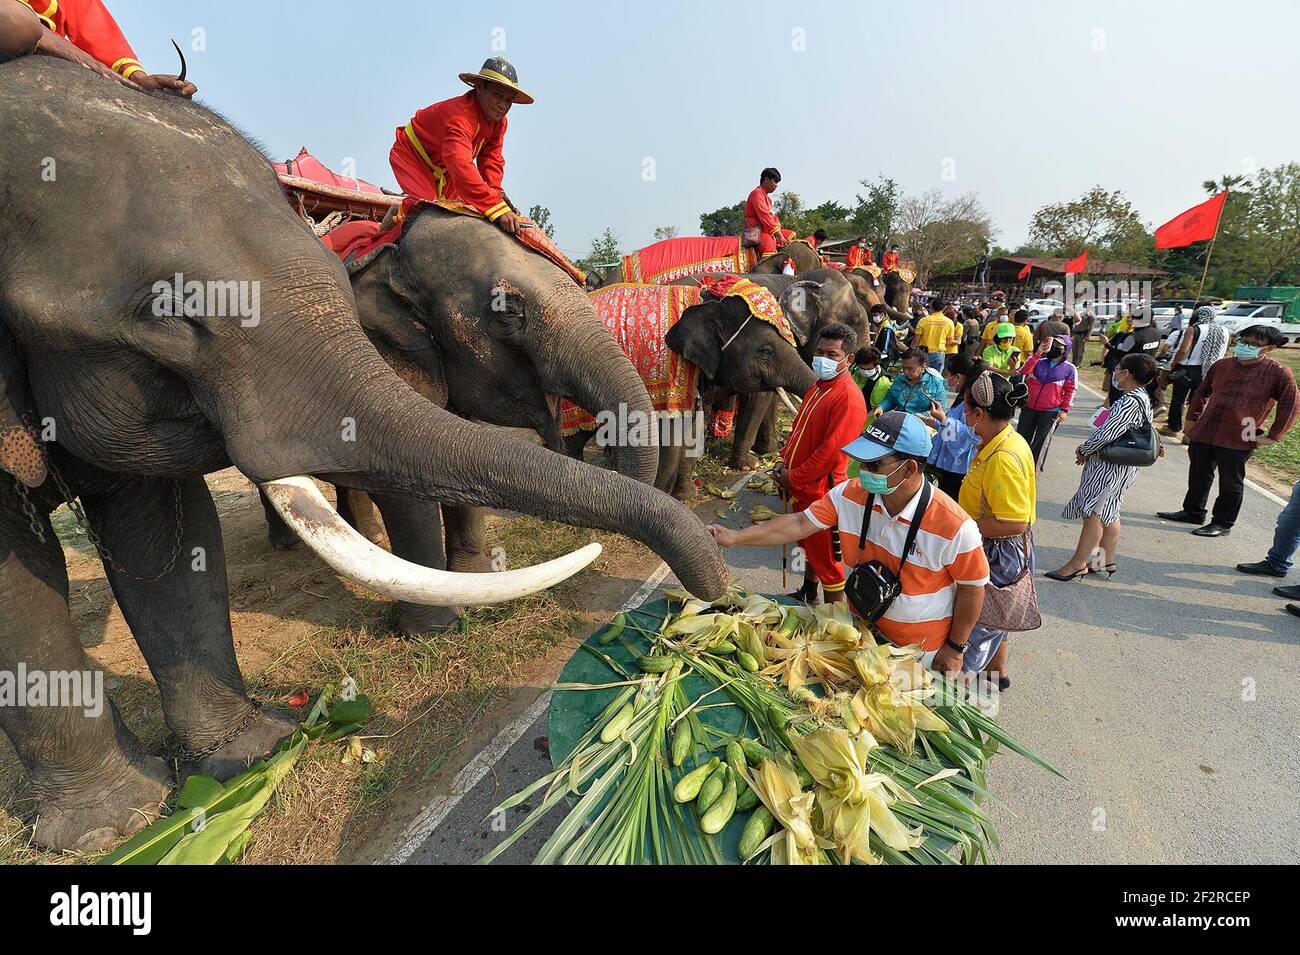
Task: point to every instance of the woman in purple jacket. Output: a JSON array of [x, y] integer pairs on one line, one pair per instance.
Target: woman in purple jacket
[[1052, 381]]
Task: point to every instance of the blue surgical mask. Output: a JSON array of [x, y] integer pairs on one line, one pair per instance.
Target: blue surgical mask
[[825, 368], [1246, 351], [877, 483]]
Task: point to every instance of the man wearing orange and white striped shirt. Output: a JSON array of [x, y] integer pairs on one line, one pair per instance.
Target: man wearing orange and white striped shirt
[[832, 415], [942, 582]]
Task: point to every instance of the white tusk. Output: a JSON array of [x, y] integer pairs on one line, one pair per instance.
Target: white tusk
[[785, 400], [304, 508]]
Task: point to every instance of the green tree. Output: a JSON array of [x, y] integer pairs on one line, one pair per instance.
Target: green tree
[[1102, 223], [542, 216], [665, 232], [875, 214], [729, 220], [604, 253]]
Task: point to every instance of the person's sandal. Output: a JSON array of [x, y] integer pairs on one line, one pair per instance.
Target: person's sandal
[[1065, 577]]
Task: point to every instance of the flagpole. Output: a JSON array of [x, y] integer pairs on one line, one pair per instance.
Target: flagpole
[[1209, 250]]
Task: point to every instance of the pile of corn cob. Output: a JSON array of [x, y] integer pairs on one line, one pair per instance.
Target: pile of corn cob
[[850, 750]]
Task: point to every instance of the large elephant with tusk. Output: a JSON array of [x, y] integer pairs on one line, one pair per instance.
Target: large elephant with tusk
[[192, 322]]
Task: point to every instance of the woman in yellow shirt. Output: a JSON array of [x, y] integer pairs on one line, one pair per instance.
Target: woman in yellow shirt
[[1000, 494], [1024, 334]]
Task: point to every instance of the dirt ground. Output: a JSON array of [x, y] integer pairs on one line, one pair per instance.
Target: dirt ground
[[298, 625]]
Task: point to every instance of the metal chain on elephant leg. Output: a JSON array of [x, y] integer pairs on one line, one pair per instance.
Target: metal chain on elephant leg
[[74, 505], [182, 754], [29, 510]]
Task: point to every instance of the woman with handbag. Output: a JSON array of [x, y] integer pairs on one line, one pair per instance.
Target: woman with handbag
[[1128, 440], [1000, 494]]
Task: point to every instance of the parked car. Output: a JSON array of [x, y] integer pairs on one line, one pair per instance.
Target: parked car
[[1245, 314], [1162, 310], [1042, 307]]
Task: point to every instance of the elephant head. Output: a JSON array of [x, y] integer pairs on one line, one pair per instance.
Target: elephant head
[[804, 257], [737, 352], [505, 328]]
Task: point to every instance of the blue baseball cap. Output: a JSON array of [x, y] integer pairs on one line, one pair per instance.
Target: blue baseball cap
[[894, 432]]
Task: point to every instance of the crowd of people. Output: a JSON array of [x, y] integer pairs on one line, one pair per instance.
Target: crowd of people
[[924, 518]]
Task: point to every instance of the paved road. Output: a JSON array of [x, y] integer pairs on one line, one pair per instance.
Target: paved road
[[1169, 696]]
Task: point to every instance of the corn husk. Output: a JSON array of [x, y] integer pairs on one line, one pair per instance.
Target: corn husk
[[777, 785]]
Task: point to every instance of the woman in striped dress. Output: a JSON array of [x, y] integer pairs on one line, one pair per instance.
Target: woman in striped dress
[[1102, 487]]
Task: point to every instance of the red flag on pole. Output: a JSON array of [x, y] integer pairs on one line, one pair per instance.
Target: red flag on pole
[[1024, 273], [1195, 225], [1075, 266]]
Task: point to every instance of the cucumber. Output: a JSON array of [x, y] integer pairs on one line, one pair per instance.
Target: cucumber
[[757, 828], [688, 787], [747, 799], [720, 813], [722, 647], [746, 661], [681, 742], [617, 723], [789, 624], [755, 751], [614, 629], [712, 787], [735, 756], [660, 663]]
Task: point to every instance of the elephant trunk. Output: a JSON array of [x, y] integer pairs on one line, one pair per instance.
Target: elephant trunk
[[418, 449], [597, 375]]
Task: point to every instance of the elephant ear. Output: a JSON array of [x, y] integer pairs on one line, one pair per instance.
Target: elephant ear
[[386, 306], [697, 337], [20, 447], [801, 303]]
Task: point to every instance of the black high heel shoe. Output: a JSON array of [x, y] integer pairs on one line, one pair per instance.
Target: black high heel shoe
[[1075, 576], [1110, 570]]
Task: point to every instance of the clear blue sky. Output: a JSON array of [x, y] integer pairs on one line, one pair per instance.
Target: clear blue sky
[[1032, 102]]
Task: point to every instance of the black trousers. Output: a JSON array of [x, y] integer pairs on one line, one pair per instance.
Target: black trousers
[[1034, 427], [1231, 465], [949, 481], [1188, 379]]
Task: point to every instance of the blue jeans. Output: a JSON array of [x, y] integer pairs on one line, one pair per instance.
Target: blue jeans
[[1287, 536], [935, 360]]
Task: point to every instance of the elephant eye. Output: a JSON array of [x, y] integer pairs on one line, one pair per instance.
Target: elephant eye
[[505, 311]]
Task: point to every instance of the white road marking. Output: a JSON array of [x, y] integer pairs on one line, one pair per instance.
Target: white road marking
[[440, 807]]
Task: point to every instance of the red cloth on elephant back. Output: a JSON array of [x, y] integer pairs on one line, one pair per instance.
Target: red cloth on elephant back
[[639, 316], [351, 240], [671, 259]]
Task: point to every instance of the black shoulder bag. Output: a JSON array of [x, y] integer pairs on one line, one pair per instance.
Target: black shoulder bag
[[873, 587]]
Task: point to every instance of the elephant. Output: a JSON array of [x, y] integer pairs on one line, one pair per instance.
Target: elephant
[[893, 293], [130, 371], [735, 356], [810, 301], [411, 301]]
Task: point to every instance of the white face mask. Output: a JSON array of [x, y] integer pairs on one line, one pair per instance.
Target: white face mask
[[825, 368]]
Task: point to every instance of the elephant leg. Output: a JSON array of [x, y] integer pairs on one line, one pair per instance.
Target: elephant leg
[[766, 441], [181, 620], [358, 509], [92, 781], [466, 539], [278, 533], [575, 444], [415, 534], [751, 410]]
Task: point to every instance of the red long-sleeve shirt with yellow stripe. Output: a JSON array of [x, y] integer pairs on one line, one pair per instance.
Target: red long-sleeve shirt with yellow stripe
[[88, 26], [450, 151], [832, 415]]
